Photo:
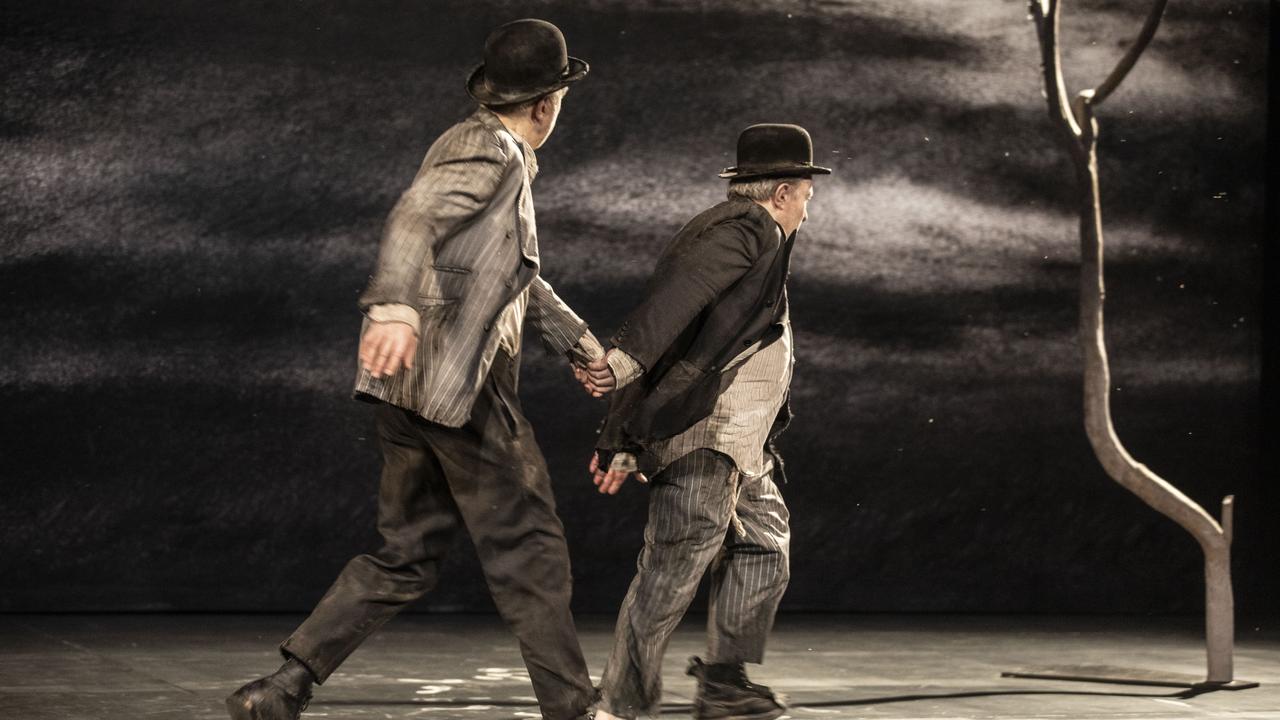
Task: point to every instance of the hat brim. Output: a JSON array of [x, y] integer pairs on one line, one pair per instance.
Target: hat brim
[[484, 95], [778, 171]]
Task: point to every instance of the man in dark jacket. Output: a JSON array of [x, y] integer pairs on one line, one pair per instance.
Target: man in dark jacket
[[457, 279], [701, 370]]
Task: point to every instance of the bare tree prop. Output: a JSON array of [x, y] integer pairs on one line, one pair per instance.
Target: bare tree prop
[[1077, 125]]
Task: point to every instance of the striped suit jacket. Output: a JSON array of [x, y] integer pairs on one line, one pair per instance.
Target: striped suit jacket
[[459, 246]]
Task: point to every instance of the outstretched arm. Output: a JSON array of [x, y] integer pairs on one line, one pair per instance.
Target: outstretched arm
[[564, 333], [561, 330]]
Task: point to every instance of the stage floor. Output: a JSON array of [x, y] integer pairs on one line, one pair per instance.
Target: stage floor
[[112, 667]]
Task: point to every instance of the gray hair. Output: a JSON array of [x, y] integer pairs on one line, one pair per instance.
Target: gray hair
[[523, 106], [760, 189]]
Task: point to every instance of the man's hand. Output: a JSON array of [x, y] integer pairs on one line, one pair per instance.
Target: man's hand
[[386, 346], [580, 374], [596, 377], [609, 480]]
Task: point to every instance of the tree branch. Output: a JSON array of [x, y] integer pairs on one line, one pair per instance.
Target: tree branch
[[1127, 62], [1044, 13]]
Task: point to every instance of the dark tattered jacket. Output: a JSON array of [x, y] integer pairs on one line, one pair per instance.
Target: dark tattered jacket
[[719, 287]]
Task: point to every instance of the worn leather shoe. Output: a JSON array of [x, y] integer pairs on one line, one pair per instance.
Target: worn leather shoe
[[725, 693], [267, 699]]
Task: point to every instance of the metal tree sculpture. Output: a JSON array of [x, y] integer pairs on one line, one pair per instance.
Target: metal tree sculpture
[[1078, 127]]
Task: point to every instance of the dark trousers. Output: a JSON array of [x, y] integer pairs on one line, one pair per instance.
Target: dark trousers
[[490, 476], [692, 504]]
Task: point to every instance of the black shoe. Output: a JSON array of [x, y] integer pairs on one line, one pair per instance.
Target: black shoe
[[725, 693], [279, 696]]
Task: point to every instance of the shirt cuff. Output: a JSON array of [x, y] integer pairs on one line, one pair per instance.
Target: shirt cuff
[[624, 367], [587, 348], [395, 313]]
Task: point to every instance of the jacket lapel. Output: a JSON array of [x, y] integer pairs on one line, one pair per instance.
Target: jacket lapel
[[526, 224], [527, 227]]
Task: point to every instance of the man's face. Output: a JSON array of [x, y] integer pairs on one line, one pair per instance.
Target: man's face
[[792, 201]]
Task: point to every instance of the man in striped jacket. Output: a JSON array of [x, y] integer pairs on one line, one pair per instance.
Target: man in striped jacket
[[702, 368], [457, 279]]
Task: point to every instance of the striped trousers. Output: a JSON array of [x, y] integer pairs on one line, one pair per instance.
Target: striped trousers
[[692, 504]]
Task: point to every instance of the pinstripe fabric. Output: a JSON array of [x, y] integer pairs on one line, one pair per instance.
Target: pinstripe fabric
[[625, 369], [749, 400], [460, 246], [554, 322], [690, 505], [510, 323]]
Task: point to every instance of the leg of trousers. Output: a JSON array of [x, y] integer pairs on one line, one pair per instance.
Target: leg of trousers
[[691, 504], [749, 575], [490, 476]]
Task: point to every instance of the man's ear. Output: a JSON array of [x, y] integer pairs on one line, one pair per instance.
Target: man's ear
[[543, 108], [782, 193]]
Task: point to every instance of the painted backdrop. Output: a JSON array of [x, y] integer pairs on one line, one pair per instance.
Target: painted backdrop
[[192, 195]]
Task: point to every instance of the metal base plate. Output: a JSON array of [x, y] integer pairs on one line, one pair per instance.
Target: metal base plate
[[1126, 676]]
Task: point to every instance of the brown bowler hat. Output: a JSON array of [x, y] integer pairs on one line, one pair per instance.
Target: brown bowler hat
[[774, 150], [523, 59]]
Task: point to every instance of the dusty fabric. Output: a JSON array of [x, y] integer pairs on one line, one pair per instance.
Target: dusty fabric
[[490, 476], [690, 505]]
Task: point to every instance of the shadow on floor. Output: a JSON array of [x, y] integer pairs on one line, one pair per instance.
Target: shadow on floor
[[1179, 695], [675, 708]]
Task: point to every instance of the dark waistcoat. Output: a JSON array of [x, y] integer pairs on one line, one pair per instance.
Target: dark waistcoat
[[719, 287]]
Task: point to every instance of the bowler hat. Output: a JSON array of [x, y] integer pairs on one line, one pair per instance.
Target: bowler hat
[[774, 150], [523, 59]]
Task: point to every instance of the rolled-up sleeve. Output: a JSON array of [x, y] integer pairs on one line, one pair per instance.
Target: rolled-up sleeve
[[391, 312]]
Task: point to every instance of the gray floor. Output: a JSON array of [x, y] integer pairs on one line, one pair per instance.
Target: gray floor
[[110, 667]]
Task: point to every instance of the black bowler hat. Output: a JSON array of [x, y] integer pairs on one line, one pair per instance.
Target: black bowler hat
[[774, 150], [523, 59]]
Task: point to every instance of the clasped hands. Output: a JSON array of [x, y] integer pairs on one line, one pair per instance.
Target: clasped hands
[[386, 347], [608, 470], [595, 376]]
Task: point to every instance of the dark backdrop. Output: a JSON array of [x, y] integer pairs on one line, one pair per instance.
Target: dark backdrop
[[192, 195]]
